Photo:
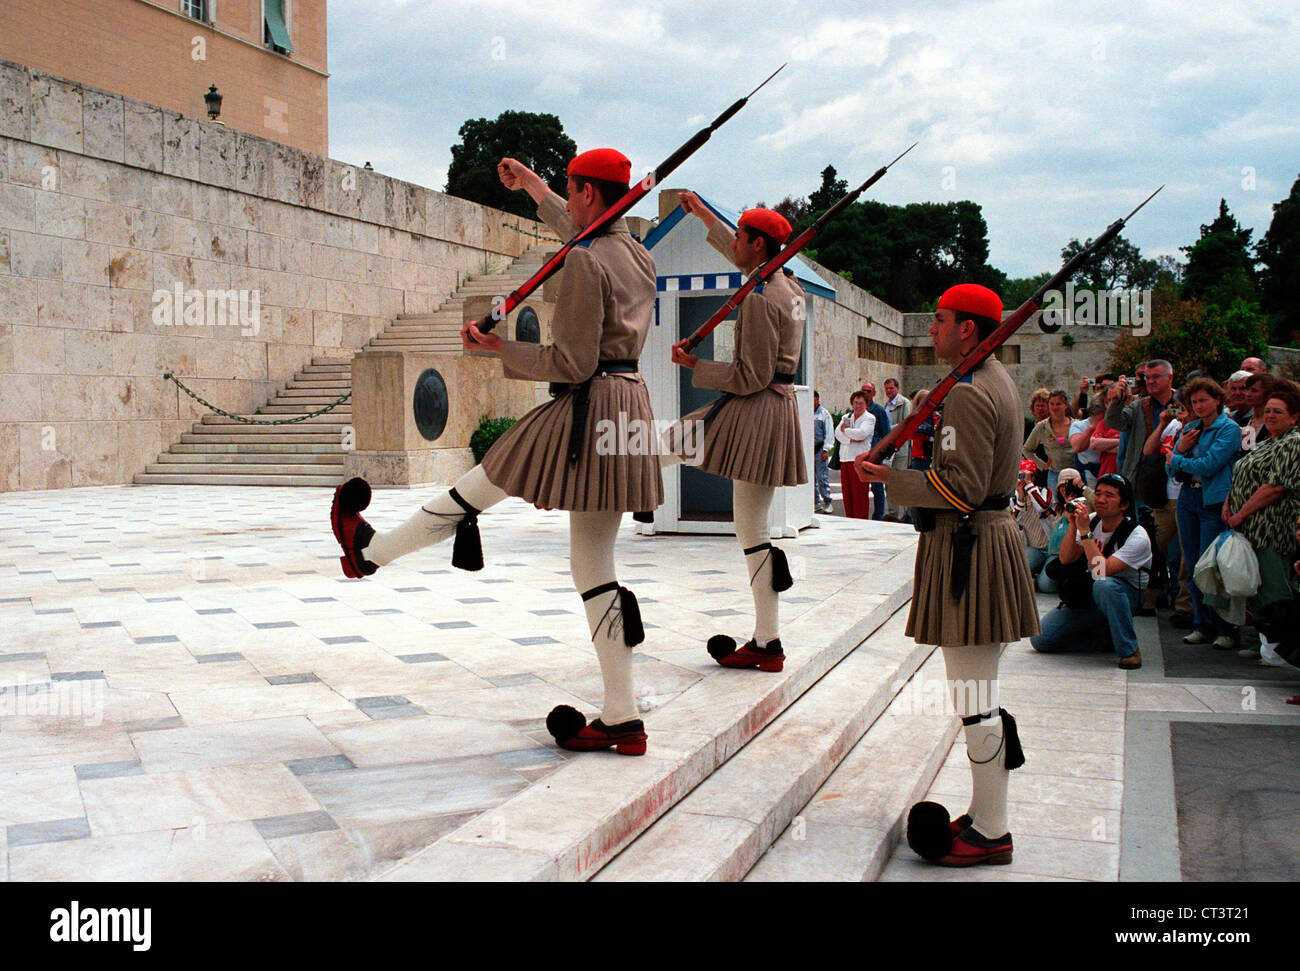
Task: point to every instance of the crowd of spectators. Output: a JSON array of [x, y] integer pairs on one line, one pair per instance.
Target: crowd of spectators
[[1124, 491]]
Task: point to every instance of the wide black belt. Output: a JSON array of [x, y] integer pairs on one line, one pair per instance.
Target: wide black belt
[[581, 400], [779, 377]]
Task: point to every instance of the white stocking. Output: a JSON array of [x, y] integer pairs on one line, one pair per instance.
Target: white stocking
[[435, 520], [751, 504], [591, 563], [973, 679]]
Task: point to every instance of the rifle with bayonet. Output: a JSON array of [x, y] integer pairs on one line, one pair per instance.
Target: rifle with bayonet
[[633, 195]]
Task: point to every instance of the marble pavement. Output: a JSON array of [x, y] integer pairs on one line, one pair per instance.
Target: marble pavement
[[189, 689]]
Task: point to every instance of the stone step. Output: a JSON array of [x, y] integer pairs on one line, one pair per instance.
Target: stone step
[[214, 457], [315, 391], [324, 421], [729, 821], [592, 807], [251, 469], [300, 406], [331, 362], [208, 447], [850, 828], [224, 435], [150, 478]]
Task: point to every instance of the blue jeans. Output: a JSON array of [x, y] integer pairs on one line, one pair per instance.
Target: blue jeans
[[877, 500], [1037, 560], [822, 478], [1084, 628], [1198, 526]]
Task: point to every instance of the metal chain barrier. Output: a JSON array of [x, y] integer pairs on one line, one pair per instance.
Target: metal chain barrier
[[167, 375], [550, 238]]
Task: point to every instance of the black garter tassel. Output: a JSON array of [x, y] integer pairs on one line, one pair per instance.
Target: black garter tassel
[[467, 550], [781, 578], [629, 611], [633, 629], [1015, 755]]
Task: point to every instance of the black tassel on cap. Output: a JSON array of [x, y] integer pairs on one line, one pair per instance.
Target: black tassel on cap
[[467, 550]]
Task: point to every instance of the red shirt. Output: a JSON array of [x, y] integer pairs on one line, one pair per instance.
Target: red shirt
[[1110, 459]]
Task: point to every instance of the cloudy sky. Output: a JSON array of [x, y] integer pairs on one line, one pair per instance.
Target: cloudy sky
[[1055, 117]]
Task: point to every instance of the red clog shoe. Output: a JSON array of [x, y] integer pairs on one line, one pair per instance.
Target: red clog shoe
[[352, 532], [969, 848], [570, 730], [723, 650]]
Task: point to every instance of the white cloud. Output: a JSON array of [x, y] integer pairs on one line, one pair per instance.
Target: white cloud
[[1055, 119]]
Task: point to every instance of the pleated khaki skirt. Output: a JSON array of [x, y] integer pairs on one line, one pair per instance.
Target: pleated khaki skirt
[[618, 465], [998, 604], [754, 438]]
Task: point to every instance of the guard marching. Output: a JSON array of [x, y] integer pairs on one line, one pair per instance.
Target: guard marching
[[752, 433], [972, 592], [603, 315]]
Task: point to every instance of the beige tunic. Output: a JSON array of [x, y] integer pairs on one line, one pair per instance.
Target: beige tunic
[[976, 455], [756, 435], [603, 312]]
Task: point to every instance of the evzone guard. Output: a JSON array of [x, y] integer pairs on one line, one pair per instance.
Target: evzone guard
[[972, 591], [752, 433], [603, 313]]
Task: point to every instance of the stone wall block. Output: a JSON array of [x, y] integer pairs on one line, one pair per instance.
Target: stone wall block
[[17, 208], [36, 257], [56, 107], [252, 164], [181, 146], [15, 101], [85, 262], [31, 165], [216, 155], [143, 135], [60, 215], [46, 456], [104, 123], [78, 175]]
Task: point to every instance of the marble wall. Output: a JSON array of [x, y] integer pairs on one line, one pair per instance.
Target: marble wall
[[107, 204]]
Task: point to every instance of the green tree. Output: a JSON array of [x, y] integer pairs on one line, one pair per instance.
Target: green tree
[[1020, 289], [1220, 269], [831, 191], [1279, 252], [537, 140], [908, 255], [1193, 334], [1119, 266]]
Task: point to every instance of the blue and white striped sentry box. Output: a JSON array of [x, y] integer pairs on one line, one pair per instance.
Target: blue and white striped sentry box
[[707, 281]]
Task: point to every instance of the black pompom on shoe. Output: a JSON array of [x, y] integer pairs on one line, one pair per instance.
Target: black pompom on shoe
[[564, 722], [354, 495], [720, 645], [929, 831]]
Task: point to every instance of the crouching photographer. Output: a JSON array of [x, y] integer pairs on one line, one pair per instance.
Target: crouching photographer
[[1102, 568]]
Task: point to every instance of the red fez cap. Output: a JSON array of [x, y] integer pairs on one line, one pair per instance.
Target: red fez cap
[[973, 299], [602, 163], [766, 221]]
